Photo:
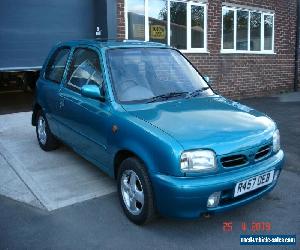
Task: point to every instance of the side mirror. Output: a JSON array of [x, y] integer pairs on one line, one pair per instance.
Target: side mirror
[[92, 91], [206, 78]]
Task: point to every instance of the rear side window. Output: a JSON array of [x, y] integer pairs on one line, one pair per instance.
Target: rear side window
[[84, 69], [56, 66]]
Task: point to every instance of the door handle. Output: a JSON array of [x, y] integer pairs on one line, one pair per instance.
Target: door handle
[[61, 103]]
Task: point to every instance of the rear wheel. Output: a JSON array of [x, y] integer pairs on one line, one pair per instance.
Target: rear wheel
[[135, 191], [46, 139]]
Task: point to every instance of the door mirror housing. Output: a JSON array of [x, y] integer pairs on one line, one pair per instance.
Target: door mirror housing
[[206, 78], [92, 91]]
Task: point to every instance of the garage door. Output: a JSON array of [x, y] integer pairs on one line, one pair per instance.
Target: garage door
[[28, 29]]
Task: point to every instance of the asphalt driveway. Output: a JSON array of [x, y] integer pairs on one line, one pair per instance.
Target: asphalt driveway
[[100, 224]]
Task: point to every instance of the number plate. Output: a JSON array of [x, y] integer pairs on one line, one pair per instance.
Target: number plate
[[253, 183]]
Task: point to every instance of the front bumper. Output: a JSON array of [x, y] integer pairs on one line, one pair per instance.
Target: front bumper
[[186, 197]]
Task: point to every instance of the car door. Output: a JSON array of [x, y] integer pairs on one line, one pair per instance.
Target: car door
[[50, 85], [85, 121]]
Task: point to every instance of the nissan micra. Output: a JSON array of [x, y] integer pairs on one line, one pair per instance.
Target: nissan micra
[[146, 116]]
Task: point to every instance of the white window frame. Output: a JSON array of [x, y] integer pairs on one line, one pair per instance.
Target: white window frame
[[248, 51], [189, 3]]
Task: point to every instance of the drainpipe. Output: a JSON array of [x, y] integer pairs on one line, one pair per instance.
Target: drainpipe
[[297, 51]]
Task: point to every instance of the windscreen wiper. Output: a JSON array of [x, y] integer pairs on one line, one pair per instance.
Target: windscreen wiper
[[197, 92], [166, 96]]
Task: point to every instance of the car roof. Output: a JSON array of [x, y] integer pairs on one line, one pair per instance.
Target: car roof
[[106, 43]]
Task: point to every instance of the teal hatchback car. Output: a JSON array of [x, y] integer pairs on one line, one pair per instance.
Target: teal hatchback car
[[142, 113]]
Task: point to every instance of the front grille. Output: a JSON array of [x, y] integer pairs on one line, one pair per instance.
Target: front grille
[[233, 160], [262, 152]]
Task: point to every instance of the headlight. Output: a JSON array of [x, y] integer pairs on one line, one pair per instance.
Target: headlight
[[276, 141], [198, 160]]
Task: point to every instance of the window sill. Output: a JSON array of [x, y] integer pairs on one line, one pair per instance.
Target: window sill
[[195, 51], [248, 52]]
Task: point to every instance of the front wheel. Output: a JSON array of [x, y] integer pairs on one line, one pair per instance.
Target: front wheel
[[135, 191], [46, 139]]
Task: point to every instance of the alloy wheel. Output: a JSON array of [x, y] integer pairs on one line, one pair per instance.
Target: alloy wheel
[[41, 129], [132, 192]]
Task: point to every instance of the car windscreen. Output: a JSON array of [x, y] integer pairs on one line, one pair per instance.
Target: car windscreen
[[141, 74]]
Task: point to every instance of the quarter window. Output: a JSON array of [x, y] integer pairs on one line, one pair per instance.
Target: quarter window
[[181, 24], [84, 69], [56, 66], [247, 31]]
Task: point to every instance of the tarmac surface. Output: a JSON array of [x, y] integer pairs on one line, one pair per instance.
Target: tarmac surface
[[99, 223]]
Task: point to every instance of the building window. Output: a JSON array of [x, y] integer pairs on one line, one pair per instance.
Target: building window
[[242, 30], [228, 29], [158, 21], [268, 32], [247, 31], [181, 24], [197, 26], [136, 19], [255, 31], [178, 24]]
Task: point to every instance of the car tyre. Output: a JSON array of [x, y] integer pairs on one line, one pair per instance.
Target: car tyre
[[135, 191], [46, 139]]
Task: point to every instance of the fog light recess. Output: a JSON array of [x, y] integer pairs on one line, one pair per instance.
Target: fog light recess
[[213, 199], [276, 175]]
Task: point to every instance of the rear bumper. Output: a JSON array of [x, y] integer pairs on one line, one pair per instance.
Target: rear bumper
[[186, 197]]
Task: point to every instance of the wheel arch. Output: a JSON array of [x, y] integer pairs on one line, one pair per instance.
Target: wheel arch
[[36, 108], [120, 156]]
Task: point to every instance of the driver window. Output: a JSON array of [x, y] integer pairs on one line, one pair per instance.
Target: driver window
[[84, 69]]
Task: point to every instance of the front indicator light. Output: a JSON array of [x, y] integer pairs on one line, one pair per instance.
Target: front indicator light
[[213, 200], [276, 141]]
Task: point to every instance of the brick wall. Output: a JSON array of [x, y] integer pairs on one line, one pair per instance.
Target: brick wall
[[245, 75], [121, 20]]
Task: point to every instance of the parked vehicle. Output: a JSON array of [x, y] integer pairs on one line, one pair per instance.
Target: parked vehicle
[[142, 113]]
